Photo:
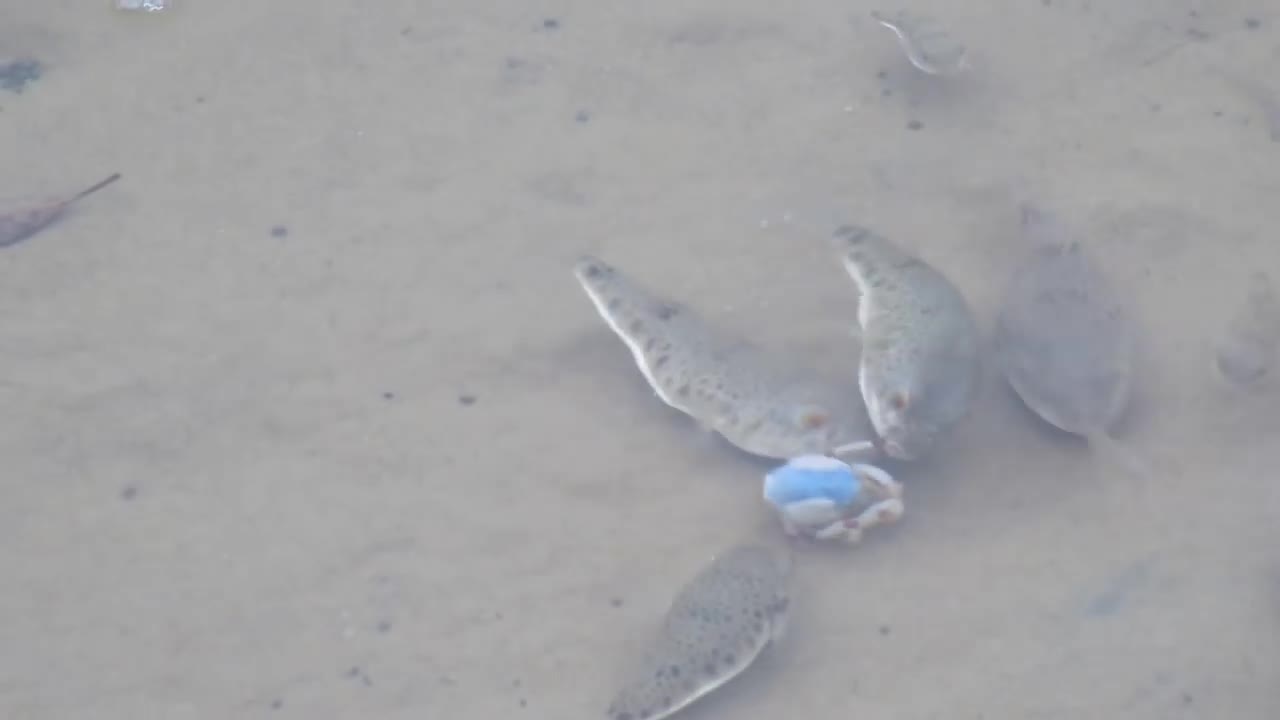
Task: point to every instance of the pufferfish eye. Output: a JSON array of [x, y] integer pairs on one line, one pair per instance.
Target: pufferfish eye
[[814, 418], [898, 401]]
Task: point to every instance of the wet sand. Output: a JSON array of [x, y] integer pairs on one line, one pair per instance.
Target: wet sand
[[389, 463]]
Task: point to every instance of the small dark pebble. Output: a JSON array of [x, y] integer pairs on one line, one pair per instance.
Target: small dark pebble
[[915, 125], [582, 116], [885, 630], [523, 702], [551, 24], [885, 92], [279, 231], [1252, 23], [200, 100], [129, 493], [384, 626], [277, 704], [467, 400], [15, 74], [882, 74], [616, 602], [356, 672], [405, 31], [1217, 113], [388, 396], [1187, 699]]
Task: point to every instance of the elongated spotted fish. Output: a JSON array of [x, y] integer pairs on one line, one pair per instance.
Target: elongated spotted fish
[[761, 403], [919, 366], [718, 624]]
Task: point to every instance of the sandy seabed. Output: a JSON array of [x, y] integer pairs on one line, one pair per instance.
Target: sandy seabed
[[386, 462]]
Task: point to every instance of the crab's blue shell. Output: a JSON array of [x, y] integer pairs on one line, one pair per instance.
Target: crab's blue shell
[[812, 476]]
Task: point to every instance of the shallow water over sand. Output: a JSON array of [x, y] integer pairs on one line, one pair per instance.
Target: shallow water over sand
[[306, 416]]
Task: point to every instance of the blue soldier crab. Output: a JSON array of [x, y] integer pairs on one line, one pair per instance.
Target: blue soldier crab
[[822, 498]]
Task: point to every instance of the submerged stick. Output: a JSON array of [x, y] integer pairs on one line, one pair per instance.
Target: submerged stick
[[21, 223]]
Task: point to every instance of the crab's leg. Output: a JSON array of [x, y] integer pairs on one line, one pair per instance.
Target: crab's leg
[[847, 529], [808, 514], [851, 529], [884, 512], [857, 448], [881, 478]]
